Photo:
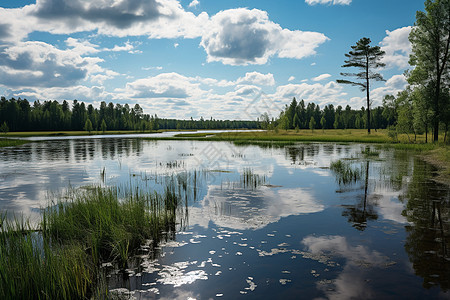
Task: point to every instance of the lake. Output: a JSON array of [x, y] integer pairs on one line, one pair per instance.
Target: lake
[[260, 221]]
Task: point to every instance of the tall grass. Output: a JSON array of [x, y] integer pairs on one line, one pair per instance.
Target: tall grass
[[32, 267], [61, 258], [109, 222], [345, 174]]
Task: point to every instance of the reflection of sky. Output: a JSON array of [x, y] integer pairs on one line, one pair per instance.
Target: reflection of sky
[[243, 209], [28, 172], [351, 283]]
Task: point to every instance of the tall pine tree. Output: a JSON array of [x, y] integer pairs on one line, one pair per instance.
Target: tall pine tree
[[366, 58]]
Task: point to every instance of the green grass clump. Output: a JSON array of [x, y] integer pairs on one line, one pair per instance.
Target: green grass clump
[[11, 142], [108, 222], [61, 258], [345, 174], [32, 267]]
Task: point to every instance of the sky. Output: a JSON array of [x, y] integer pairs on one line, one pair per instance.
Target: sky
[[231, 59]]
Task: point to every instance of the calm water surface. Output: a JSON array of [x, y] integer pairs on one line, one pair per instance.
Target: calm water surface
[[299, 231]]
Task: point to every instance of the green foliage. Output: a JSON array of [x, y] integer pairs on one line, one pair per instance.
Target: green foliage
[[88, 126], [430, 40], [312, 123], [366, 58], [103, 126], [4, 128], [53, 116]]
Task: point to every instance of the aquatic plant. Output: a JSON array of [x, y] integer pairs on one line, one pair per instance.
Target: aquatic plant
[[33, 267], [345, 174], [251, 180]]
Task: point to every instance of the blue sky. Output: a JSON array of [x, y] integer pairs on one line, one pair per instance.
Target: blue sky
[[190, 58]]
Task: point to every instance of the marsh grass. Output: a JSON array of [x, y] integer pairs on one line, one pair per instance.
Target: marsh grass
[[61, 257], [251, 180], [110, 222], [11, 142], [367, 152], [345, 174], [33, 267]]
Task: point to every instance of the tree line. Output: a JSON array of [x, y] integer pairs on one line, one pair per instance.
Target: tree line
[[20, 115], [298, 115]]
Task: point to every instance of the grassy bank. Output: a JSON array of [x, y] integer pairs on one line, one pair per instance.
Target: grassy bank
[[61, 258], [11, 142]]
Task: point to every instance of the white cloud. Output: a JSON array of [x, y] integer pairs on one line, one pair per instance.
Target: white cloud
[[257, 78], [153, 18], [242, 36], [397, 47], [330, 2], [321, 77], [292, 78], [392, 86], [194, 3], [166, 85], [318, 93], [152, 68], [32, 64]]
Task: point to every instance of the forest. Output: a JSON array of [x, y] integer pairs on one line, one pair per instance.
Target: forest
[[20, 115]]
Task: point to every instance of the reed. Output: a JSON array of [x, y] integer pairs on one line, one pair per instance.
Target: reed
[[61, 257], [33, 267], [345, 174]]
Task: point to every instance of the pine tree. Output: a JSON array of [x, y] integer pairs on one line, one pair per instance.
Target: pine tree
[[366, 58]]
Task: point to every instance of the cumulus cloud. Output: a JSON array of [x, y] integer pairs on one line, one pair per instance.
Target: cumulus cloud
[[242, 36], [257, 78], [321, 77], [330, 2], [153, 18], [120, 14], [318, 93], [392, 86], [30, 64], [194, 3], [397, 47], [166, 85]]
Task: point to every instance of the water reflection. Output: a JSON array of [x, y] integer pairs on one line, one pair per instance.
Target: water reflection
[[359, 261], [243, 209], [428, 240], [289, 226], [364, 210]]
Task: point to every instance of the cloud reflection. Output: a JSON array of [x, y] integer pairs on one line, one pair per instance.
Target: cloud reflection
[[243, 209], [352, 282]]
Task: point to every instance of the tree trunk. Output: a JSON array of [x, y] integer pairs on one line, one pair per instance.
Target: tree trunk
[[368, 99], [436, 111]]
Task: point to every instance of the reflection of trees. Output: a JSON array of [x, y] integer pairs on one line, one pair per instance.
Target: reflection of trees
[[78, 150], [359, 213], [428, 211]]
